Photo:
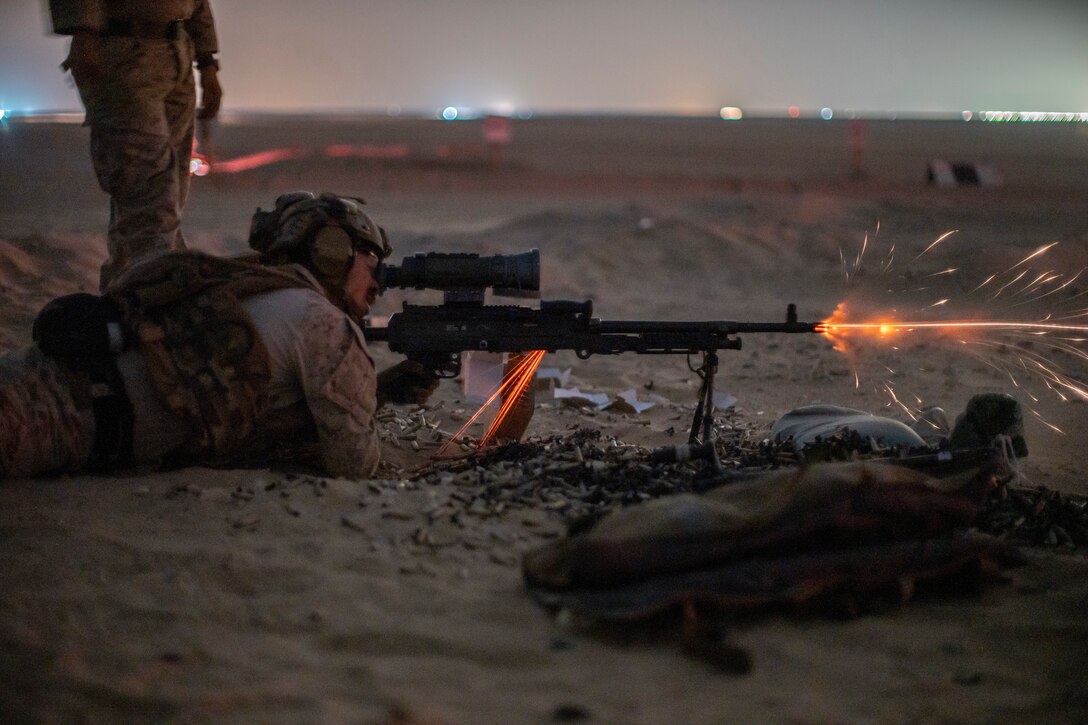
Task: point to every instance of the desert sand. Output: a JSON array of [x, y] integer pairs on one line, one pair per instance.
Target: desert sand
[[272, 595]]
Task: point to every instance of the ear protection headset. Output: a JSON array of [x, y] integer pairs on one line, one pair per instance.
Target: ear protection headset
[[332, 251], [331, 229]]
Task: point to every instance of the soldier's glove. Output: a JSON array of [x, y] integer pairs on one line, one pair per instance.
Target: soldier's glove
[[405, 383]]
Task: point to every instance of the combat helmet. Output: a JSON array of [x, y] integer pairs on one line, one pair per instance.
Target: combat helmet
[[322, 231]]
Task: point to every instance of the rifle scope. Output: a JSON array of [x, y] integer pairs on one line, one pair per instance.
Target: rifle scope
[[510, 275]]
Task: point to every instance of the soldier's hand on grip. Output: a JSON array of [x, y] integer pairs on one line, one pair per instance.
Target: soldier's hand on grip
[[406, 383]]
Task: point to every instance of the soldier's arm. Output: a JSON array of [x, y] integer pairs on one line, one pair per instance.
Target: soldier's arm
[[201, 28], [83, 20], [339, 382], [70, 16]]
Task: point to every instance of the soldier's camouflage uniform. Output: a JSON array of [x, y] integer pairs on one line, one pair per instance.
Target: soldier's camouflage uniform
[[141, 115], [321, 387], [43, 428]]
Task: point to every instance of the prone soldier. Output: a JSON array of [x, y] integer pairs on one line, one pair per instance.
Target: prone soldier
[[189, 358]]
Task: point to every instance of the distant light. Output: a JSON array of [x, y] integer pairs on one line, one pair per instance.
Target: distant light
[[504, 108], [731, 113], [967, 115], [794, 112], [449, 113], [826, 114], [31, 117], [199, 166], [1034, 116], [393, 110], [3, 113]]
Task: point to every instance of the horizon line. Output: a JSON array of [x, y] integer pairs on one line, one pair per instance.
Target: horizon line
[[454, 114]]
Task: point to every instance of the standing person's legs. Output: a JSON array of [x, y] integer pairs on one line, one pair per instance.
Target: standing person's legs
[[132, 147], [180, 105]]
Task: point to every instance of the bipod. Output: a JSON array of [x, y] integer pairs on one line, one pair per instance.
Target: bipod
[[704, 412], [704, 409], [698, 447]]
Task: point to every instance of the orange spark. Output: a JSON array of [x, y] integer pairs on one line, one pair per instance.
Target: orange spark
[[512, 385], [832, 327], [1045, 422], [1012, 347], [861, 254], [837, 329], [1008, 284], [1042, 279], [520, 379], [1041, 250], [889, 260], [1065, 284], [895, 399], [940, 239], [986, 282]]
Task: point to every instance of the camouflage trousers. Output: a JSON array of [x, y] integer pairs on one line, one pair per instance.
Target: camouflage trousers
[[141, 113], [42, 428]]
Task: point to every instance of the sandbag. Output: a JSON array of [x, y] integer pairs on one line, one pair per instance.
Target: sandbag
[[790, 535], [811, 424]]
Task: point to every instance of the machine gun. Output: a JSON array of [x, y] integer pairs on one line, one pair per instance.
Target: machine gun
[[436, 335]]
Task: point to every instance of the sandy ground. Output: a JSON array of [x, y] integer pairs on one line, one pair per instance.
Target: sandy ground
[[269, 596]]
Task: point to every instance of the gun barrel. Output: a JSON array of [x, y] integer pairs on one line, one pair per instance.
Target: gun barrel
[[722, 327], [776, 327]]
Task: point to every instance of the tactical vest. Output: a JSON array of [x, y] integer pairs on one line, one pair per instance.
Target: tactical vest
[[202, 351]]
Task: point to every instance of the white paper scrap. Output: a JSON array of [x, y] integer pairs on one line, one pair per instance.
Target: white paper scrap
[[481, 375], [631, 398], [574, 395], [559, 376], [724, 401]]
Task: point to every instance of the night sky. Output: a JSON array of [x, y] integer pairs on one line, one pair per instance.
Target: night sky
[[627, 56]]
